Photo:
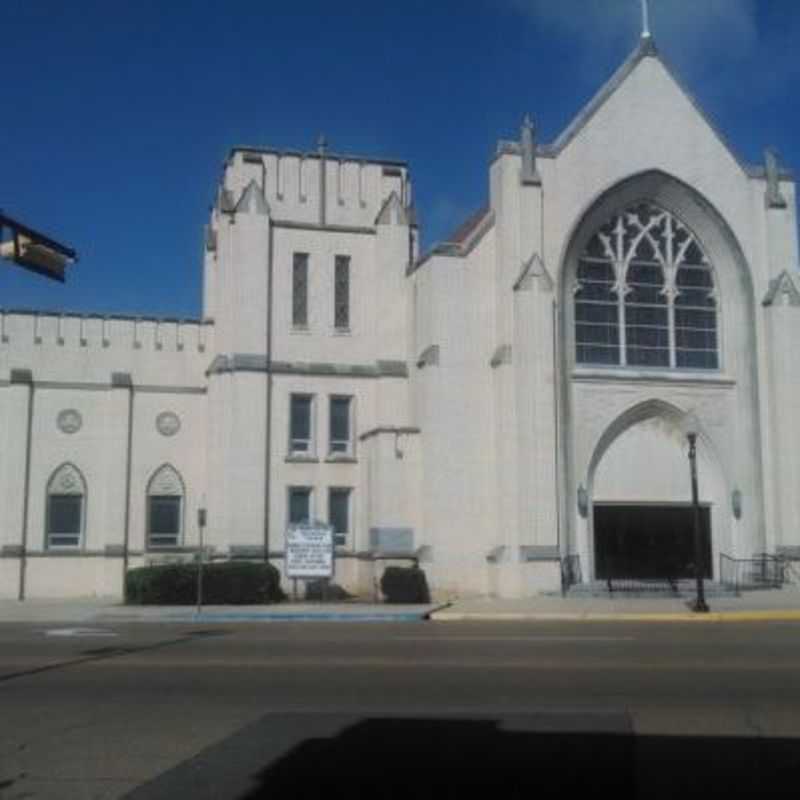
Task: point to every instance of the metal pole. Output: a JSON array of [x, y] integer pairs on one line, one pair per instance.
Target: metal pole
[[24, 376], [700, 605], [201, 523]]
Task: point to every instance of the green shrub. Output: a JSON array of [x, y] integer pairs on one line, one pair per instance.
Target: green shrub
[[227, 583], [405, 585], [326, 590]]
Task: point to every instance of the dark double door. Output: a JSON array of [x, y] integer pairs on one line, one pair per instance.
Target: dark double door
[[649, 541]]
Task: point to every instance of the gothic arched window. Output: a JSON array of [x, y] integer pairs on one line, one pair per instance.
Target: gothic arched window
[[164, 508], [66, 508], [645, 295]]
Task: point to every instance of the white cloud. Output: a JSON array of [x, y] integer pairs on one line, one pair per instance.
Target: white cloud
[[693, 33]]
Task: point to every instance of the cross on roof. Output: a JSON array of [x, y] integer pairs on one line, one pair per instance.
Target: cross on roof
[[645, 20]]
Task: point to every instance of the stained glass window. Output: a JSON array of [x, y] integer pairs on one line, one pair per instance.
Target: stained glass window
[[300, 418], [299, 504], [339, 514], [164, 508], [64, 520], [165, 520], [645, 295], [341, 303], [300, 290], [66, 498], [340, 425]]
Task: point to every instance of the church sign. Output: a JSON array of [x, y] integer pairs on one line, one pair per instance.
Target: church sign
[[309, 550]]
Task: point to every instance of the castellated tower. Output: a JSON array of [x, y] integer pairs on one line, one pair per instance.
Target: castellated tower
[[306, 256]]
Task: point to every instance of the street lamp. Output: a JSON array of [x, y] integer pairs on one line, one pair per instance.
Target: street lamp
[[34, 250], [691, 427]]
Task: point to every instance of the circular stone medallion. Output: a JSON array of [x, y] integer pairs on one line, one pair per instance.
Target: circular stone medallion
[[69, 420], [168, 423]]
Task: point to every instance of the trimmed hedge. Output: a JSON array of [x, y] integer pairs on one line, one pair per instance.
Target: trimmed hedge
[[227, 583], [326, 590], [405, 585]]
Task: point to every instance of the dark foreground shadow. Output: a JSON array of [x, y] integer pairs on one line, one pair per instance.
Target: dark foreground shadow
[[410, 758], [526, 756]]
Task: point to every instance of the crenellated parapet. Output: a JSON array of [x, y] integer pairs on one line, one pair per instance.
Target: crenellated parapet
[[69, 330], [82, 349], [315, 187]]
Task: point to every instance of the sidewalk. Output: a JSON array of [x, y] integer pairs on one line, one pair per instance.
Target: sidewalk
[[778, 605], [108, 611], [767, 605]]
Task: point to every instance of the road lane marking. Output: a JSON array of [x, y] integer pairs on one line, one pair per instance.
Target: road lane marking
[[542, 638], [415, 663], [80, 632]]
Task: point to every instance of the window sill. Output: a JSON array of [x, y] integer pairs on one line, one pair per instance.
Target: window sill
[[298, 459], [663, 375], [300, 330], [337, 459], [342, 332]]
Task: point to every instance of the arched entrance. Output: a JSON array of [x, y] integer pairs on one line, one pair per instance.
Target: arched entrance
[[657, 301], [640, 516]]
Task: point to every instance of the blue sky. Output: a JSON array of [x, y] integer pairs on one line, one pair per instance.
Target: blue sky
[[117, 115]]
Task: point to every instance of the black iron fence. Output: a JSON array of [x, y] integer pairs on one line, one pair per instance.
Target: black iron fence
[[762, 571], [570, 571]]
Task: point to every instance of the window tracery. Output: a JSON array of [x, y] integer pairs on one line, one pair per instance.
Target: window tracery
[[645, 295]]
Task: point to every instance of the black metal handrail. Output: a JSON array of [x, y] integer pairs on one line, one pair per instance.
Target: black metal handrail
[[762, 571]]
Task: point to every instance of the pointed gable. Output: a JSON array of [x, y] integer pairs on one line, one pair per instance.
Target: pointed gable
[[253, 201], [782, 290], [533, 268], [392, 212], [644, 98]]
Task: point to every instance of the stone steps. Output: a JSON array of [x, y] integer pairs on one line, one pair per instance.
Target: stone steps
[[648, 588]]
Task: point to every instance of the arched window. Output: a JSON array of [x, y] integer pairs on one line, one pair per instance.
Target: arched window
[[164, 508], [645, 295], [66, 508]]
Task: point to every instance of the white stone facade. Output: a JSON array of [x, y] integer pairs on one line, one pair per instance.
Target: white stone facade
[[476, 440]]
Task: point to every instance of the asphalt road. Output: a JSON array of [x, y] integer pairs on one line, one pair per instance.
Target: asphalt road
[[420, 709]]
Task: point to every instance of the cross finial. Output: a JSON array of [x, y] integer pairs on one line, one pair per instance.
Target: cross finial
[[645, 20]]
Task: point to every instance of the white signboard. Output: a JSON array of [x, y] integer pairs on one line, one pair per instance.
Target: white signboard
[[309, 551]]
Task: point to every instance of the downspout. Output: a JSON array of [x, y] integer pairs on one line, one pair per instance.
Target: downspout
[[323, 177], [268, 427], [556, 421], [24, 376], [123, 380]]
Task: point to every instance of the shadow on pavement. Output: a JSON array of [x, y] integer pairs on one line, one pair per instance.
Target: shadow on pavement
[[520, 757]]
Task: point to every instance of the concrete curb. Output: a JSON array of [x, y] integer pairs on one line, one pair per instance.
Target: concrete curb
[[776, 615], [117, 614], [290, 617], [284, 615]]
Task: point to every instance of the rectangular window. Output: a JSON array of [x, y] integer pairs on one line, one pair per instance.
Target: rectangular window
[[341, 303], [164, 520], [340, 433], [339, 514], [300, 418], [300, 290], [64, 514], [299, 504]]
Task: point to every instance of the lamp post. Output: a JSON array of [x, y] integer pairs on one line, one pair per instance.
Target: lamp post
[[691, 427]]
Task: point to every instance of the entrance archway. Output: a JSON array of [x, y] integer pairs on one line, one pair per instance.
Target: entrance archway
[[723, 390], [640, 521]]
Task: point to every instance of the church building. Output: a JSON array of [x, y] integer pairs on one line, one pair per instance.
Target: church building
[[510, 409]]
